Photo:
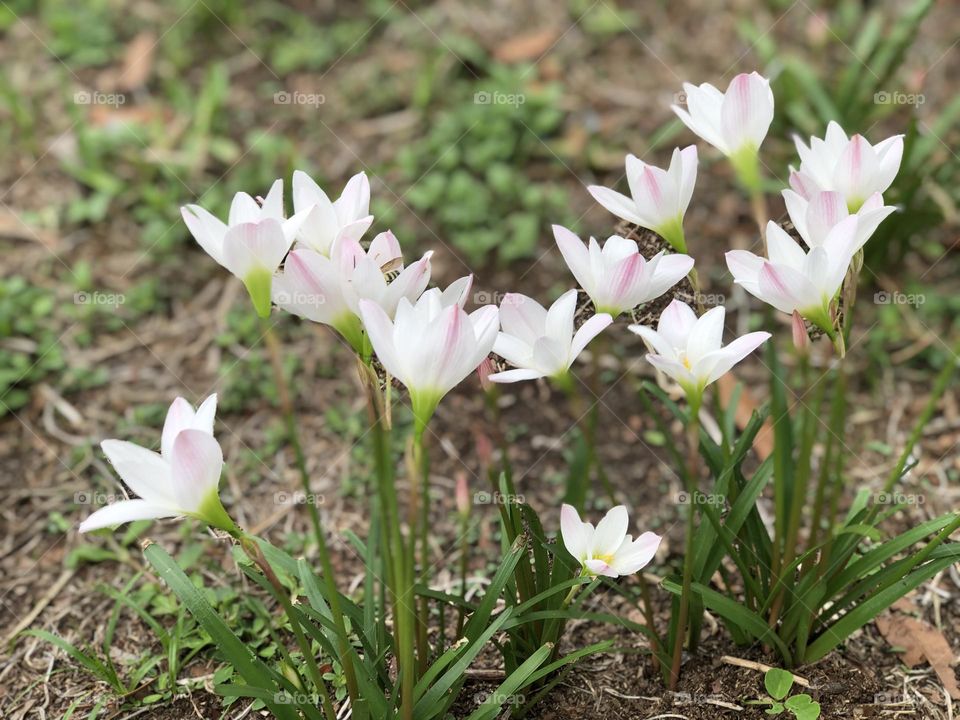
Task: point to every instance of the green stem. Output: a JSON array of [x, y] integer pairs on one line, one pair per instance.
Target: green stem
[[286, 406], [422, 464]]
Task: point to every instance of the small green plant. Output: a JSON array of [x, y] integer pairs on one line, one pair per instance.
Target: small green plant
[[778, 683]]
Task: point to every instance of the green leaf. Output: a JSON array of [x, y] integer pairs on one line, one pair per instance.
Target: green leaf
[[515, 681], [778, 683], [803, 707]]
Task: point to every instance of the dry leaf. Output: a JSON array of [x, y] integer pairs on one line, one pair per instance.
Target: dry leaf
[[137, 62], [920, 641], [528, 46], [763, 442]]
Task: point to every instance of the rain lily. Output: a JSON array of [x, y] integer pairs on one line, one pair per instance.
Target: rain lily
[[793, 279], [659, 198], [539, 342], [251, 244], [432, 345], [734, 122], [815, 217], [328, 289], [616, 277], [181, 479], [607, 549], [689, 349], [851, 166], [325, 222]]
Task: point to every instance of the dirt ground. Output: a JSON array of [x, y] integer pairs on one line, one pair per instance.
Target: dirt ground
[[617, 90]]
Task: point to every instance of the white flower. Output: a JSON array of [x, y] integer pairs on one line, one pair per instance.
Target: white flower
[[181, 479], [325, 222], [616, 277], [659, 198], [796, 280], [540, 342], [690, 349], [851, 166], [251, 244], [328, 290], [607, 549], [431, 346], [815, 217], [735, 121]]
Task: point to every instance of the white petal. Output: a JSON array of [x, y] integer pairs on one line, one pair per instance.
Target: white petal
[[253, 246], [575, 255], [633, 556], [206, 229], [126, 511], [144, 471], [676, 322], [576, 534], [747, 111], [610, 531], [725, 358], [618, 204], [706, 334], [559, 320], [196, 463], [179, 417], [380, 330], [516, 375], [523, 317], [783, 249], [587, 332]]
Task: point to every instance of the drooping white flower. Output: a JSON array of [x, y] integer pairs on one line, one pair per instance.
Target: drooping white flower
[[432, 345], [182, 479], [815, 217], [324, 221], [608, 549], [734, 122], [328, 290], [851, 166], [690, 349], [540, 342], [658, 198], [792, 279], [251, 244], [616, 277]]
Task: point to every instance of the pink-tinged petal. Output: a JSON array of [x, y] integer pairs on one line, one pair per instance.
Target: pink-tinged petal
[[704, 105], [655, 198], [254, 246], [485, 324], [803, 184], [782, 249], [599, 567], [309, 287], [206, 413], [745, 268], [857, 171], [206, 229], [559, 320], [380, 330], [384, 248], [634, 556], [516, 375], [575, 255], [785, 288], [144, 471], [451, 339], [457, 292], [618, 204], [587, 332], [622, 282], [179, 417], [676, 322], [610, 531], [243, 209], [409, 284], [125, 511], [354, 201], [826, 209], [618, 248], [576, 534], [689, 162], [747, 111], [654, 340], [667, 271], [523, 317], [797, 211], [890, 154], [196, 463], [725, 358], [706, 335]]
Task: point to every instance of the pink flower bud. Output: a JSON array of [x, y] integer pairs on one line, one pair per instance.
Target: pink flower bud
[[462, 495]]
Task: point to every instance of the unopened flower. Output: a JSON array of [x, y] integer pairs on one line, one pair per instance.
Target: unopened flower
[[432, 345], [659, 198], [539, 342], [251, 244], [690, 349], [851, 166], [608, 549], [328, 290], [181, 479], [617, 277], [734, 122], [324, 221], [816, 216], [792, 279]]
